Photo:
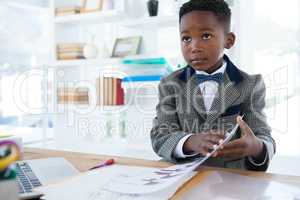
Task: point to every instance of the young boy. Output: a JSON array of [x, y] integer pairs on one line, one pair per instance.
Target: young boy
[[202, 101]]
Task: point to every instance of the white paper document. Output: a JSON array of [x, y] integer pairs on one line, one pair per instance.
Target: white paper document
[[158, 179], [89, 186], [146, 182]]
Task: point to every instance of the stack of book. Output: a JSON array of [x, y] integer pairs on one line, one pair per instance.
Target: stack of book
[[149, 65], [73, 95], [67, 11], [70, 51], [109, 91]]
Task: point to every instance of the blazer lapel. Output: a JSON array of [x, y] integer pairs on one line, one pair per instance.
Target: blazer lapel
[[192, 93], [197, 100], [227, 94]]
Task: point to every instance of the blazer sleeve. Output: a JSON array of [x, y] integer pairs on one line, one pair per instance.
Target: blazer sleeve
[[257, 121], [166, 130]]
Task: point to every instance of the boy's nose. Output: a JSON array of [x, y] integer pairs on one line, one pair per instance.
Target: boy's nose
[[197, 47]]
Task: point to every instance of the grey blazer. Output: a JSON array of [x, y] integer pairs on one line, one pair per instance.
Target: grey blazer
[[181, 111]]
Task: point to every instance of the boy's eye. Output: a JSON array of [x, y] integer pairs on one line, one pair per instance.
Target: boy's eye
[[186, 39], [206, 36]]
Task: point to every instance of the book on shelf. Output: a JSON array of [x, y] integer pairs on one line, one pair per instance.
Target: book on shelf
[[71, 45], [69, 57], [106, 91], [109, 91], [100, 82], [70, 51], [130, 83], [68, 8], [73, 95], [67, 11], [67, 90], [145, 61], [114, 91], [119, 93], [99, 90], [159, 63], [73, 50], [142, 78], [64, 99]]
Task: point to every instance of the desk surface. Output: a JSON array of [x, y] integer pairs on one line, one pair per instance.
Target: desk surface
[[91, 160]]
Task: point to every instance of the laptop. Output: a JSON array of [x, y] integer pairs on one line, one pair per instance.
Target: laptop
[[36, 173]]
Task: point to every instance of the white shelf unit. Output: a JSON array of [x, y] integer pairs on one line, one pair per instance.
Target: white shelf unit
[[118, 17], [106, 26], [110, 16], [148, 25], [91, 62]]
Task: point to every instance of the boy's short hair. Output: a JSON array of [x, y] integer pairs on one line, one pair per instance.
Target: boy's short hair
[[219, 7]]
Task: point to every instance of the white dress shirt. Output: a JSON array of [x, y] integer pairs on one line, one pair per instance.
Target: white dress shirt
[[208, 90]]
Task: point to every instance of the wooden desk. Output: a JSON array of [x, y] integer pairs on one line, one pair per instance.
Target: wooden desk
[[84, 161]]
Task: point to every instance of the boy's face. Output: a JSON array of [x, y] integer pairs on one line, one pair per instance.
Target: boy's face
[[203, 40]]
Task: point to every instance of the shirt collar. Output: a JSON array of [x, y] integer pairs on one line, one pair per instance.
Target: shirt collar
[[220, 70], [234, 74]]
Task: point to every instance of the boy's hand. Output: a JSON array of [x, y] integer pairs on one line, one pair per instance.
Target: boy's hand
[[247, 145], [203, 143]]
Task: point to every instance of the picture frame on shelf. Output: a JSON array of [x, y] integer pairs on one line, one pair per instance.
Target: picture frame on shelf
[[91, 5], [126, 46]]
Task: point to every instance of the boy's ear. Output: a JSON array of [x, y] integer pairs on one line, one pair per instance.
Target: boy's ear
[[230, 40]]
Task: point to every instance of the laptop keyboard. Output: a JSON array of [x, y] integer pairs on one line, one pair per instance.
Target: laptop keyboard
[[26, 178]]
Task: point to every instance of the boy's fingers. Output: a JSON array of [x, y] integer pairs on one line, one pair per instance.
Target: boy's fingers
[[243, 125], [214, 132], [209, 146], [214, 138], [207, 149], [222, 147], [235, 144], [215, 154], [203, 151], [203, 148]]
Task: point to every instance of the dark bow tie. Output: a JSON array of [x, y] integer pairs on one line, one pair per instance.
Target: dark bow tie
[[218, 77]]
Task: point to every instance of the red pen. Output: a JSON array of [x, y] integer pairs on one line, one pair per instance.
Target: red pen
[[104, 164]]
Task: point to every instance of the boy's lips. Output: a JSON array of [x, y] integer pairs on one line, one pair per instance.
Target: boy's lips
[[198, 61]]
